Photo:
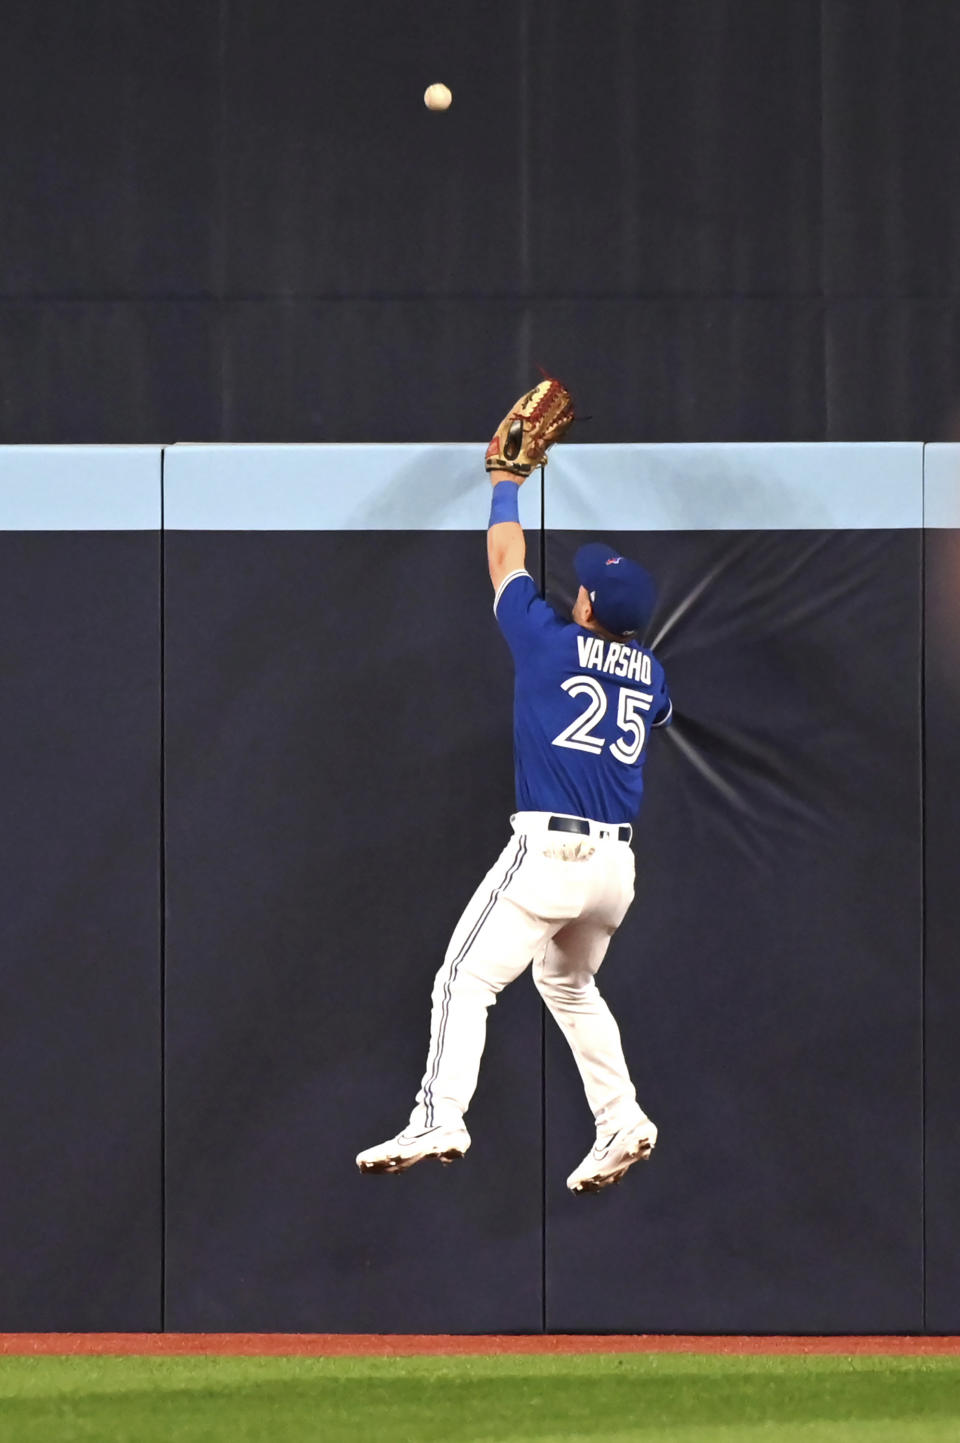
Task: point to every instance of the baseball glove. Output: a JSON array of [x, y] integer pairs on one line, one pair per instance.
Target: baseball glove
[[525, 434]]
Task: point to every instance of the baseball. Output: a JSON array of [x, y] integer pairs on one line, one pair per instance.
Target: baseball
[[437, 97]]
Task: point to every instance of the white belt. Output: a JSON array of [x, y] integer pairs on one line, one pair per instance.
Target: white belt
[[584, 826]]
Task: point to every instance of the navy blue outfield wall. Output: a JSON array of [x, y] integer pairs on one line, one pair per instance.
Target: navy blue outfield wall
[[942, 848], [80, 1078], [337, 779]]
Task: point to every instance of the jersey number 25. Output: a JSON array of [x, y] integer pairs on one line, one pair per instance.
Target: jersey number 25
[[579, 736]]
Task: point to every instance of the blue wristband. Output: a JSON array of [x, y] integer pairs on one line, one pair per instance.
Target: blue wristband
[[505, 505]]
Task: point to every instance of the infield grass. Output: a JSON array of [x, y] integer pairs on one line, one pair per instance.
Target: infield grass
[[655, 1398]]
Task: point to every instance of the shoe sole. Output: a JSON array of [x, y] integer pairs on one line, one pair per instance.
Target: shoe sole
[[402, 1164], [599, 1181]]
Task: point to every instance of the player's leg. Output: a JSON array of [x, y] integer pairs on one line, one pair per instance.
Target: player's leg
[[495, 940], [565, 976]]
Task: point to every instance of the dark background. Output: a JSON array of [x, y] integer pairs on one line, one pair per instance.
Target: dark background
[[716, 219]]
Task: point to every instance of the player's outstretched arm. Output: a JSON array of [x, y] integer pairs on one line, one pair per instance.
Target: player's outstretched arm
[[518, 446], [506, 544]]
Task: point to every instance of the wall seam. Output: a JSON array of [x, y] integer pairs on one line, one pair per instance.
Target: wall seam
[[923, 887], [163, 911]]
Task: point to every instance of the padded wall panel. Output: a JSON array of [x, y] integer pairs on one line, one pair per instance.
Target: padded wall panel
[[339, 779], [80, 1125], [767, 979], [942, 838]]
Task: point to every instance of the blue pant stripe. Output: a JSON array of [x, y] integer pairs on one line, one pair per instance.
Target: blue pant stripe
[[468, 943]]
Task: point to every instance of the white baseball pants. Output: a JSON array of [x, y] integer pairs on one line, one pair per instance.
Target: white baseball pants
[[553, 899]]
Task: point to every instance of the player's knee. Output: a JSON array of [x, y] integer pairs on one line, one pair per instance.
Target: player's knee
[[478, 983], [565, 991], [464, 982]]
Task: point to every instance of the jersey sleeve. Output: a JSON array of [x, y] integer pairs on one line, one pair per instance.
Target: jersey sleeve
[[662, 709], [523, 616]]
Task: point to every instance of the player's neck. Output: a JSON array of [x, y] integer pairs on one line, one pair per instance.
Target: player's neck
[[599, 630]]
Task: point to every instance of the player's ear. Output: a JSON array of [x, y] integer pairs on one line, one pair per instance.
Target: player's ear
[[583, 609]]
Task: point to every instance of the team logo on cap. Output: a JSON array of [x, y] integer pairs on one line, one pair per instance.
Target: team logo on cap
[[613, 561]]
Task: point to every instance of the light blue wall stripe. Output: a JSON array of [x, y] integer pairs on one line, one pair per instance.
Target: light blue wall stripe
[[735, 487], [593, 488], [941, 472], [79, 488], [444, 487], [332, 488]]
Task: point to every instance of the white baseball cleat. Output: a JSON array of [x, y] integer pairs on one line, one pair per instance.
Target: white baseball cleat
[[446, 1144], [609, 1158]]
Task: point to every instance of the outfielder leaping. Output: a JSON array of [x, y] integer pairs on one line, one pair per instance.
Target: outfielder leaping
[[586, 696]]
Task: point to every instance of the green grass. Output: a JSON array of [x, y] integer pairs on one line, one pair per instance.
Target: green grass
[[654, 1398]]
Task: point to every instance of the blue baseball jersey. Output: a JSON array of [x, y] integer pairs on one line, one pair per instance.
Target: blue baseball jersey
[[583, 709]]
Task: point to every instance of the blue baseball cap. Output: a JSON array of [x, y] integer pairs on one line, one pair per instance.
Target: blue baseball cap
[[622, 592]]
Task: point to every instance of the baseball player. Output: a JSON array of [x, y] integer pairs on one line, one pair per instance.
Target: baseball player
[[587, 695]]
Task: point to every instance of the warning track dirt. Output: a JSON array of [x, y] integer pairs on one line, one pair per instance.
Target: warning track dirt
[[386, 1345]]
